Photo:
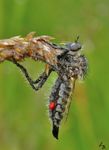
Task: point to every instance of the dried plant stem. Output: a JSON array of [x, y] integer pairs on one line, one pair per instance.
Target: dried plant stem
[[19, 48]]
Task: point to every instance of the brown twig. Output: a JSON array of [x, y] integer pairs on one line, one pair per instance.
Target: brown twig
[[37, 48]]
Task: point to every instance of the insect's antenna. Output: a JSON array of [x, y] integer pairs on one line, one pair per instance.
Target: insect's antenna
[[77, 38]]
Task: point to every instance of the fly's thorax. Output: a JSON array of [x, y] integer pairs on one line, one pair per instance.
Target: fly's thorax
[[73, 66], [83, 63], [81, 67]]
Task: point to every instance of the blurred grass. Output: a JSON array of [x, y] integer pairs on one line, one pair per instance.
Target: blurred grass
[[24, 124]]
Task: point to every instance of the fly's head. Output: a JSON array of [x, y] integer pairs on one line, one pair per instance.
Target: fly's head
[[74, 47]]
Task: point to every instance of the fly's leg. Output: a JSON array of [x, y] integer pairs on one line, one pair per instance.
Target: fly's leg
[[40, 81], [42, 78]]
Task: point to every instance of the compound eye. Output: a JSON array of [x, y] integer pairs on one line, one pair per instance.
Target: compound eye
[[75, 46]]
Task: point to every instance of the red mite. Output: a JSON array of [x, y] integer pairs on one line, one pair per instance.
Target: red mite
[[52, 105]]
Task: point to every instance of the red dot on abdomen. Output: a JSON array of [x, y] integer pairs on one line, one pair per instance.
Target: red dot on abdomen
[[52, 105]]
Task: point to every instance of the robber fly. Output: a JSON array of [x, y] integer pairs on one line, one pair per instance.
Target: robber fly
[[66, 60]]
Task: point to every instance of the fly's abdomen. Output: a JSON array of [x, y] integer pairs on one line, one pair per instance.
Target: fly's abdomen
[[58, 102]]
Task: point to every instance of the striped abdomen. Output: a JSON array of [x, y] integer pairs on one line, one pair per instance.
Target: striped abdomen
[[58, 102]]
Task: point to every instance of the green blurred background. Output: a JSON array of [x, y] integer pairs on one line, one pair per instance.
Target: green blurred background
[[24, 123]]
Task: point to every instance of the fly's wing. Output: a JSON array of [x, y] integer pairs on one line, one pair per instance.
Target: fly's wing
[[73, 81]]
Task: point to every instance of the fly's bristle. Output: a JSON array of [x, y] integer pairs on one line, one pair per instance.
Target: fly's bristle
[[55, 131]]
